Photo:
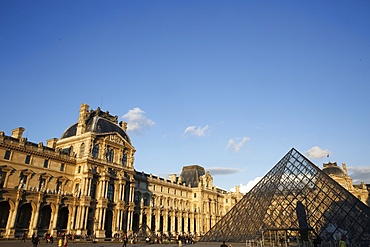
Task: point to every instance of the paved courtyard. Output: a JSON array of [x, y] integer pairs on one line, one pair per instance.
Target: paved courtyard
[[18, 243]]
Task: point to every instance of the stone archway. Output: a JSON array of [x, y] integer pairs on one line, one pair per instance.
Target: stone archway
[[161, 224], [152, 227], [63, 219], [108, 224], [24, 216], [90, 222], [44, 218], [4, 215], [135, 222]]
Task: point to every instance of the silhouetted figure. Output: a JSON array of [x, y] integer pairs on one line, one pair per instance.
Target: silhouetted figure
[[342, 242], [317, 241], [24, 236], [35, 240]]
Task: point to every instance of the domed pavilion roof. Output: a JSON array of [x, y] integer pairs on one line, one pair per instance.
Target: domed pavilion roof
[[99, 123], [333, 169]]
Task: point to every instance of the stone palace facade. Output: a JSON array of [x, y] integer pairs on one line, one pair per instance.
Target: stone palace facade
[[85, 183]]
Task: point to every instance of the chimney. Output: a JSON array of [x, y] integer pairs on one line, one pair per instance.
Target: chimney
[[51, 143], [17, 133], [81, 126], [172, 177]]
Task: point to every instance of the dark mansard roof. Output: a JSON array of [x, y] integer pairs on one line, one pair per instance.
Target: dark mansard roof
[[332, 168], [191, 174], [98, 125]]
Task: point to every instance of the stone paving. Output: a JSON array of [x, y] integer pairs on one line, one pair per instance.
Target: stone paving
[[18, 243]]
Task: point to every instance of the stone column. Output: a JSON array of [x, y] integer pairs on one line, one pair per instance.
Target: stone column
[[197, 223], [173, 222], [129, 221], [191, 223], [186, 222], [35, 216], [104, 210], [71, 218], [55, 215], [149, 218], [10, 226], [141, 215], [165, 221], [86, 217], [157, 213], [76, 224], [179, 222]]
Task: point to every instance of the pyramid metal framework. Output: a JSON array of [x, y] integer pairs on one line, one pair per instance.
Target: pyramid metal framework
[[296, 197]]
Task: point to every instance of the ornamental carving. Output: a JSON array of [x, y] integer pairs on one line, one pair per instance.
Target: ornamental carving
[[116, 139]]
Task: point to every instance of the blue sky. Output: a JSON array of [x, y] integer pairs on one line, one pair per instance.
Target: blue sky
[[229, 85]]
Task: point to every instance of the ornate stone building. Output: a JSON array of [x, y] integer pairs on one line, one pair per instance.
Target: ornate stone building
[[340, 175], [85, 184]]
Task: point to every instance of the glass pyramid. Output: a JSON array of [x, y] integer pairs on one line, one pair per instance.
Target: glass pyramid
[[296, 199]]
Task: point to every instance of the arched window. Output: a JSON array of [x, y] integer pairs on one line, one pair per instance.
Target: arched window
[[95, 151], [82, 149]]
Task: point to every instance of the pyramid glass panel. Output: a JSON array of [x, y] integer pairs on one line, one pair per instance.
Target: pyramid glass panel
[[297, 198]]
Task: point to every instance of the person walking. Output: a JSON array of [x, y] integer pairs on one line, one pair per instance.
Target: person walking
[[24, 236], [342, 241], [223, 244], [35, 240], [65, 241], [60, 242], [124, 241]]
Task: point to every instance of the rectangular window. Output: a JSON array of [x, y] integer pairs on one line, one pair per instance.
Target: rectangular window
[[7, 155], [79, 169], [46, 163], [28, 159], [62, 167], [92, 191], [110, 192], [195, 195]]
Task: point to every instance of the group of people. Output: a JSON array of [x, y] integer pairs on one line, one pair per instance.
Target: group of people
[[49, 238], [35, 240], [63, 241]]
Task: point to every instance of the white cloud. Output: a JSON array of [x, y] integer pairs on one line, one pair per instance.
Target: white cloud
[[317, 153], [359, 174], [223, 170], [136, 121], [237, 144], [196, 131], [246, 188]]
